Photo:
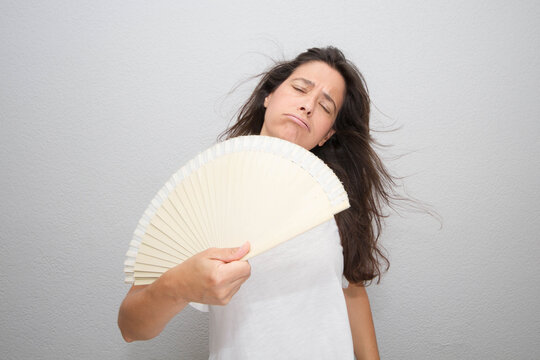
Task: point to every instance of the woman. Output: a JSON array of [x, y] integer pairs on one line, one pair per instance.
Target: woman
[[293, 306]]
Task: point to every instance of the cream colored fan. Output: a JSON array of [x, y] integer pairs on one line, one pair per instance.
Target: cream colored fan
[[250, 188]]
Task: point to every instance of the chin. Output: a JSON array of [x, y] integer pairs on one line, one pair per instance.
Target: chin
[[288, 133]]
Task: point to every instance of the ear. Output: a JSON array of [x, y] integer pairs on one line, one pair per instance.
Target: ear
[[266, 100], [326, 137]]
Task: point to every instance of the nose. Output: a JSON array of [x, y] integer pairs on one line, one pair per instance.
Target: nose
[[308, 106], [306, 110]]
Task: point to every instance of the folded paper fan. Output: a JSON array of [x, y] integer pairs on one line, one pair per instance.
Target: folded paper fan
[[250, 188]]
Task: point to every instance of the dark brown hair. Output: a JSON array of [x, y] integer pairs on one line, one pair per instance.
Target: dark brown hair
[[349, 153]]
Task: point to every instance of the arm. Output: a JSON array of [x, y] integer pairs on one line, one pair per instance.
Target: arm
[[363, 331], [210, 277]]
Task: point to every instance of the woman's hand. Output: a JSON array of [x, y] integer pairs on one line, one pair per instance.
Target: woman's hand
[[211, 277]]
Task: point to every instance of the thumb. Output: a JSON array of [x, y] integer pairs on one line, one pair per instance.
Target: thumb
[[231, 254]]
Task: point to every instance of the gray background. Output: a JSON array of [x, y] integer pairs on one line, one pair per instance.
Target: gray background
[[101, 101]]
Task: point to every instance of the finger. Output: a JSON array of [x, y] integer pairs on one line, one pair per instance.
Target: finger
[[235, 288], [221, 295], [235, 270], [230, 254], [225, 295], [235, 285]]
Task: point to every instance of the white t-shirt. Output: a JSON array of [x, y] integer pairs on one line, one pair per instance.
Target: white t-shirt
[[292, 306]]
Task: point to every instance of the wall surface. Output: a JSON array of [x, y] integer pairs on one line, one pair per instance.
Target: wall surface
[[100, 101]]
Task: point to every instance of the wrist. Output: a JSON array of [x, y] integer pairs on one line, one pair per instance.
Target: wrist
[[171, 286]]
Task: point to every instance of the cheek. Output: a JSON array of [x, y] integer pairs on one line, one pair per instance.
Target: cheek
[[325, 126], [273, 110]]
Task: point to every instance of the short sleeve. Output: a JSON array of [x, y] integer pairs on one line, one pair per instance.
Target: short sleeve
[[200, 307], [344, 282]]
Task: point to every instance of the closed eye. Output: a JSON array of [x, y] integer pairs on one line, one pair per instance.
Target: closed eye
[[325, 108], [302, 90]]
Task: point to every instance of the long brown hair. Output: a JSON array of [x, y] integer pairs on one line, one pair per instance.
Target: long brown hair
[[349, 153]]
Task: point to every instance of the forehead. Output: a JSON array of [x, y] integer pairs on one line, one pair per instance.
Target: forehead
[[322, 76]]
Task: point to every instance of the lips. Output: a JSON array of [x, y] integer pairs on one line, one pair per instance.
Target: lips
[[298, 120]]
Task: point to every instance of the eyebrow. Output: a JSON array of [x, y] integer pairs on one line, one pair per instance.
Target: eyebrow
[[325, 94]]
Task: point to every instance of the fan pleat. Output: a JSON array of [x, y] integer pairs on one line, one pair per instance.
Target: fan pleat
[[219, 176], [201, 202], [148, 275], [146, 249], [164, 224], [207, 201], [152, 268], [154, 240], [151, 260], [172, 226], [187, 195], [188, 212], [182, 221]]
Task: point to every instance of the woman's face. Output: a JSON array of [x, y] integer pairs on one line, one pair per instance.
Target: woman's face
[[304, 107]]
